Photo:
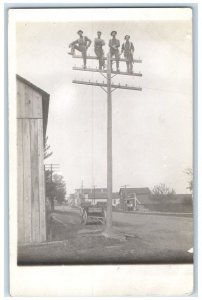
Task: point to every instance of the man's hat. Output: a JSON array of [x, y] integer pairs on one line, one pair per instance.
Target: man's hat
[[99, 32], [80, 31], [127, 36], [113, 32]]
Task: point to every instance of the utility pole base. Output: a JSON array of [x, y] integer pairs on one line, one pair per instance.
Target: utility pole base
[[113, 233]]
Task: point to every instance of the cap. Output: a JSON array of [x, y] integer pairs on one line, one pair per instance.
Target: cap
[[80, 31]]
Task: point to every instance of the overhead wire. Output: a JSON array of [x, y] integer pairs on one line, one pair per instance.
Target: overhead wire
[[166, 91]]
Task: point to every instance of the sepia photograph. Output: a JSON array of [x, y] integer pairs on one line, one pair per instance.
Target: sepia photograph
[[104, 137]]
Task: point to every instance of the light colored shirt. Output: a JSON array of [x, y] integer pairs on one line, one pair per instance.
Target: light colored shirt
[[81, 41]]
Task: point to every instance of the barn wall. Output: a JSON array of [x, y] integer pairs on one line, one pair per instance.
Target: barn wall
[[31, 189]]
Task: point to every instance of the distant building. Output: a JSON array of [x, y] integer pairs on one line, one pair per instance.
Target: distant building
[[141, 199], [177, 203], [71, 199], [95, 196], [134, 198]]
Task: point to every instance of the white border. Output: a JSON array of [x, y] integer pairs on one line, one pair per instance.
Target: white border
[[129, 280]]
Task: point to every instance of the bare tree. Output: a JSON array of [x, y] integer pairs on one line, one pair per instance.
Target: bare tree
[[47, 152], [162, 192], [189, 173]]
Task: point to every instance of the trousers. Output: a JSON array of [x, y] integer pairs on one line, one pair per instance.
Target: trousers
[[115, 53], [100, 54], [83, 51]]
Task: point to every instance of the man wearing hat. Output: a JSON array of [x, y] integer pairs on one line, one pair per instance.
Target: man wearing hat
[[114, 45], [128, 49], [98, 44], [81, 44]]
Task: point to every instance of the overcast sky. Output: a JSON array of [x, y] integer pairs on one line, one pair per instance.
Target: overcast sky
[[152, 129]]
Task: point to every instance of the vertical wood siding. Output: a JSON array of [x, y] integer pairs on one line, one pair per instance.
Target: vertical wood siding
[[35, 180], [20, 188], [30, 181], [42, 208]]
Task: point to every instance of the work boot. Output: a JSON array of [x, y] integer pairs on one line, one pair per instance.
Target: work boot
[[72, 52]]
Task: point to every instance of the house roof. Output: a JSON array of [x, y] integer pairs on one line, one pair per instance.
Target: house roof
[[45, 100], [137, 191], [102, 195], [91, 190]]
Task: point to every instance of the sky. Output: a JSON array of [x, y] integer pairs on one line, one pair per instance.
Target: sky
[[152, 128]]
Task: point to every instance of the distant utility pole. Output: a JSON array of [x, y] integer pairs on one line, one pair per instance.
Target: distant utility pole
[[52, 168], [94, 186], [82, 196], [125, 194], [108, 87]]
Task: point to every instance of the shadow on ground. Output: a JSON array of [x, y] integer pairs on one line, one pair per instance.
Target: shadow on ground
[[140, 240]]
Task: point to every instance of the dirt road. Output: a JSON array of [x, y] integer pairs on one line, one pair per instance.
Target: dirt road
[[148, 239]]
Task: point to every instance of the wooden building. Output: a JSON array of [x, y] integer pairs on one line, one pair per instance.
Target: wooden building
[[32, 118], [134, 198], [95, 196]]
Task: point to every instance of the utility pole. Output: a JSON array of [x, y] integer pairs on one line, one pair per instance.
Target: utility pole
[[109, 147], [82, 200], [94, 194], [108, 87], [125, 195], [52, 168]]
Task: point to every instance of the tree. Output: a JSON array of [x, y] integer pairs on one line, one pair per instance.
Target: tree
[[55, 187], [60, 187], [161, 191], [189, 173], [47, 152], [50, 188]]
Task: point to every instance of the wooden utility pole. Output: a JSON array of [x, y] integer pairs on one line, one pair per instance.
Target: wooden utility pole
[[125, 196], [93, 194], [109, 146], [52, 168], [108, 87], [82, 198]]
